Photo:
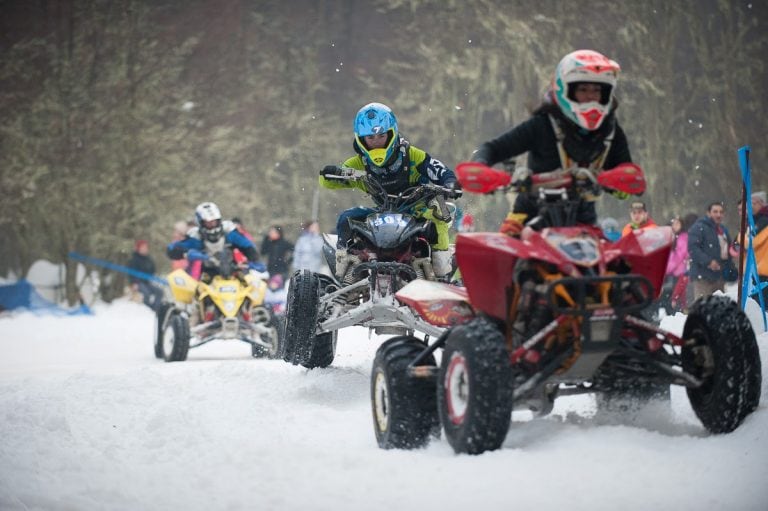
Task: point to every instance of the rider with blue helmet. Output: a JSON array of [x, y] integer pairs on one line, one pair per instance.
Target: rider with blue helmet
[[387, 157]]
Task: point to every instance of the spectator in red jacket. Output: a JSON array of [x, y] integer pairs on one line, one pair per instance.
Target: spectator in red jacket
[[638, 218]]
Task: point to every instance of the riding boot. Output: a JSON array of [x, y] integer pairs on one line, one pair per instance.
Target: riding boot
[[342, 263], [441, 262]]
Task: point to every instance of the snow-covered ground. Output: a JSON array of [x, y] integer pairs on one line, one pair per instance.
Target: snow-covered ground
[[90, 420]]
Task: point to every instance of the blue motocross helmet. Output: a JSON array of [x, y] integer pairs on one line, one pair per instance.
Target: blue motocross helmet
[[373, 119]]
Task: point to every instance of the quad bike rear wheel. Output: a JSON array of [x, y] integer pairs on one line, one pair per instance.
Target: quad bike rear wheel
[[721, 350], [404, 407], [474, 392], [302, 345], [161, 318], [176, 339]]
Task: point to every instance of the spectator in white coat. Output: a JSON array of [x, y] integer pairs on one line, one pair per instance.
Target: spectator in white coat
[[308, 250]]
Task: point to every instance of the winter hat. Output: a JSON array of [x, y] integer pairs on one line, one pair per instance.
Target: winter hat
[[609, 224], [276, 282]]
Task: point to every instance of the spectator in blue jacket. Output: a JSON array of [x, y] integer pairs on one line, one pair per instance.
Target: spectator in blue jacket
[[211, 236], [708, 243]]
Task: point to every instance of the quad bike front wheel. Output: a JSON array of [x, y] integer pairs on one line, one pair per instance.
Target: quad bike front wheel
[[302, 345], [323, 351], [474, 393], [721, 350], [176, 339], [273, 338], [404, 406]]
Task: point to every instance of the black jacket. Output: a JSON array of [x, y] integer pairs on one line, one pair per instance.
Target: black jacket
[[142, 263], [278, 255], [537, 138]]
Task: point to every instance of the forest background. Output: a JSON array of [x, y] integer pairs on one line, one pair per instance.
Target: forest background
[[118, 116]]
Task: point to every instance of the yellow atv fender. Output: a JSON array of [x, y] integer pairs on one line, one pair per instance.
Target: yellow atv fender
[[258, 288], [182, 286], [227, 294]]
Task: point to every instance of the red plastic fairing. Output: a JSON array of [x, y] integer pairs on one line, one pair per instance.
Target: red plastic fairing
[[487, 261], [479, 178], [439, 304], [578, 245], [646, 252], [626, 177]]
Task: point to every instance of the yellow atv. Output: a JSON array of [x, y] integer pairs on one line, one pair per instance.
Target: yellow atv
[[227, 305]]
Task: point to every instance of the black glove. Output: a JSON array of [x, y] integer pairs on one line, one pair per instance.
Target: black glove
[[522, 180], [331, 170]]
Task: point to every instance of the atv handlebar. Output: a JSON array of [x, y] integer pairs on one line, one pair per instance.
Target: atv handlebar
[[627, 178], [414, 194], [431, 194]]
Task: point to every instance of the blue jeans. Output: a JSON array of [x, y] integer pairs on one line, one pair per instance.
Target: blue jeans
[[152, 295], [342, 224]]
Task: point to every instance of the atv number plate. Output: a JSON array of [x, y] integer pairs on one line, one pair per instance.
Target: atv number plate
[[388, 219]]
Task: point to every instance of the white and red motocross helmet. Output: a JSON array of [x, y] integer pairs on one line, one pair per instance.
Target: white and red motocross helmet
[[585, 66]]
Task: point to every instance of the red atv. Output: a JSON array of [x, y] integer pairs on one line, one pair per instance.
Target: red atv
[[561, 311]]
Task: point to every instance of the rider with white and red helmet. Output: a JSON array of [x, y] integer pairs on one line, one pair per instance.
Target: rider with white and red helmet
[[574, 127], [574, 75]]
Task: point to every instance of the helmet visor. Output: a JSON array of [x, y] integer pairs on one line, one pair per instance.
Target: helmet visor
[[379, 156], [211, 224]]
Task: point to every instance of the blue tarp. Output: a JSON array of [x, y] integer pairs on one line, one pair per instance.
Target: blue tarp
[[22, 295], [751, 284], [118, 267]]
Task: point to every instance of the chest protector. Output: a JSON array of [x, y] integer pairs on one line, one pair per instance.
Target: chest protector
[[593, 153], [214, 247], [395, 176]]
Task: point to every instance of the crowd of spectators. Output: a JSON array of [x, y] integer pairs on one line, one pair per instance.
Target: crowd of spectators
[[704, 257]]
